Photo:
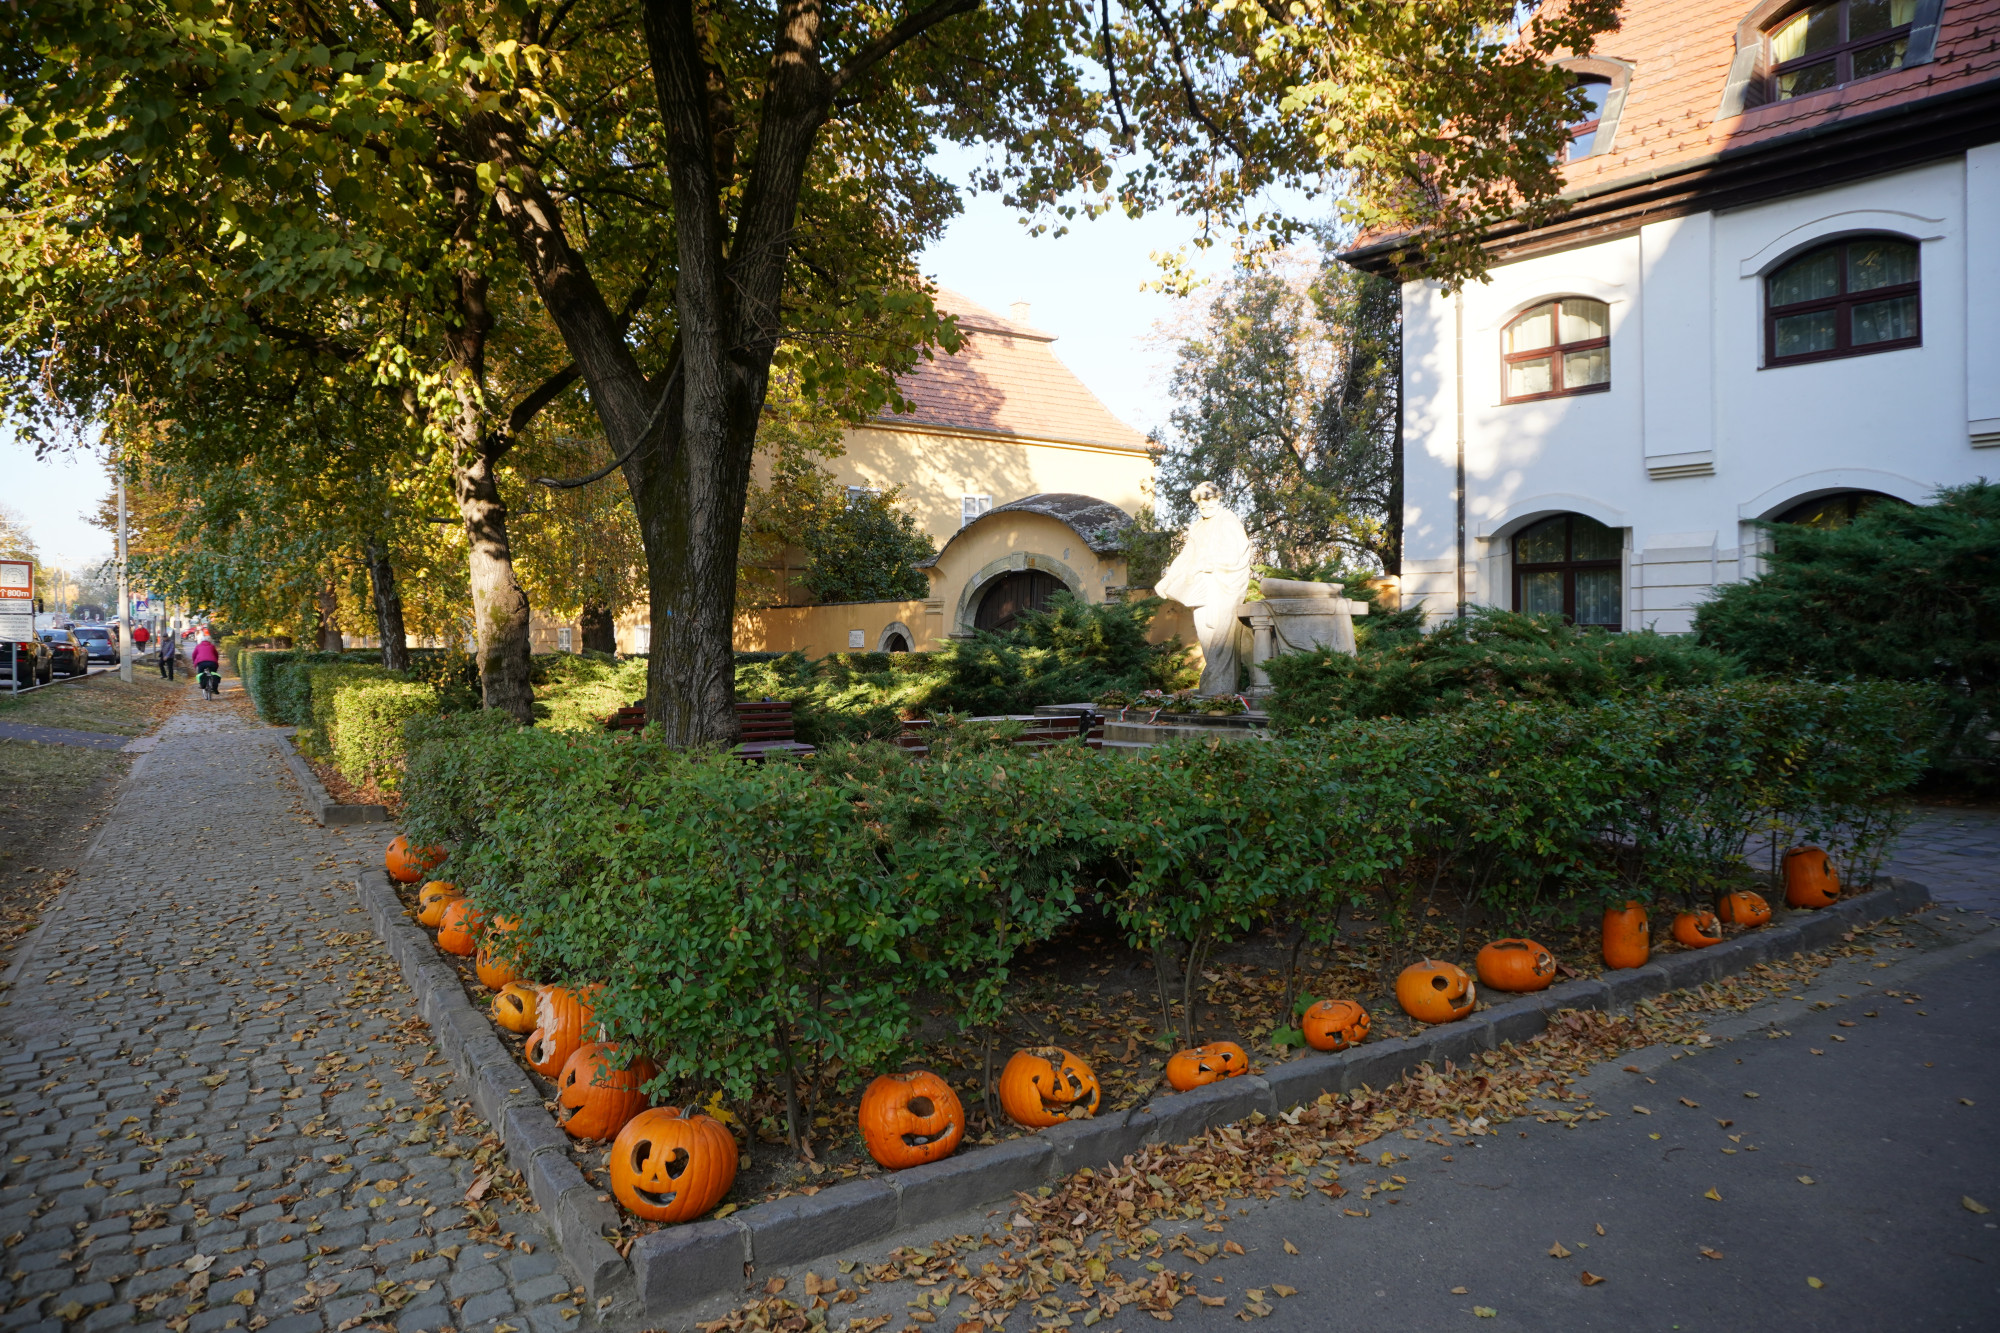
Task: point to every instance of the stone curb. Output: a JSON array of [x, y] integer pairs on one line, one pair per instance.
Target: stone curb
[[676, 1268], [327, 811]]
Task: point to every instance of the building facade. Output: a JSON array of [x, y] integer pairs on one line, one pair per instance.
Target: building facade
[[1775, 296]]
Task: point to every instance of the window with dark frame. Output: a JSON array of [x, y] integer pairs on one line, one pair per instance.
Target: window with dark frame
[[1556, 349], [1583, 133], [1825, 45], [1850, 298], [1571, 566], [1836, 510]]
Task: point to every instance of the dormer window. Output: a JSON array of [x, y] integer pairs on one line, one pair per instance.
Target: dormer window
[[1583, 133], [1825, 45]]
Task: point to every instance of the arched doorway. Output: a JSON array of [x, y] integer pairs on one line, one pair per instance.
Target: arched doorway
[[1009, 596], [895, 642], [1571, 566], [1834, 511]]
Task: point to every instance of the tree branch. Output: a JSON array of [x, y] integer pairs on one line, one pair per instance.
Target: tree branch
[[1187, 80], [544, 393], [916, 25], [652, 424]]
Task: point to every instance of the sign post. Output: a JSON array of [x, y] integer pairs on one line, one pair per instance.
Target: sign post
[[17, 613], [124, 592]]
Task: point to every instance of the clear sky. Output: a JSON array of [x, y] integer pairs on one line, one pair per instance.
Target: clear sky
[[53, 498]]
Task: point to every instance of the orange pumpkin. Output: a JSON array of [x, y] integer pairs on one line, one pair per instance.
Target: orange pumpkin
[[514, 1007], [1335, 1025], [432, 899], [1203, 1065], [910, 1119], [1698, 930], [494, 969], [597, 1097], [410, 865], [458, 931], [1046, 1085], [1744, 908], [1434, 992], [1810, 879], [667, 1167], [1515, 965], [1628, 939], [561, 1018]]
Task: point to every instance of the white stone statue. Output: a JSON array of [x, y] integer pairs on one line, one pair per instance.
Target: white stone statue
[[1209, 577]]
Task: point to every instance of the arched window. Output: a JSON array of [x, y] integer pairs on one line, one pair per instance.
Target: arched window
[[1570, 566], [1836, 510], [1849, 298], [1557, 348], [1583, 133], [1825, 45]]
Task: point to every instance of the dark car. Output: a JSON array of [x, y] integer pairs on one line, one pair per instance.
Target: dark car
[[26, 663], [66, 651], [99, 641]]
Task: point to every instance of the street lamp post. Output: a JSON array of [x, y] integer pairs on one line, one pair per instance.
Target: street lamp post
[[124, 592]]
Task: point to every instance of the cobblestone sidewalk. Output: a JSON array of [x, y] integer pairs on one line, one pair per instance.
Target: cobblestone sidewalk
[[217, 1108]]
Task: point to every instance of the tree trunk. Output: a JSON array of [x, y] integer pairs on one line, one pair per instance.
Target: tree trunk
[[329, 639], [388, 608], [599, 634]]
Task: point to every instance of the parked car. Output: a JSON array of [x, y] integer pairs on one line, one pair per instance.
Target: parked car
[[28, 663], [66, 651], [101, 641]]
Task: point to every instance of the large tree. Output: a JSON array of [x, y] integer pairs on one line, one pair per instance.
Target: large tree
[[687, 192]]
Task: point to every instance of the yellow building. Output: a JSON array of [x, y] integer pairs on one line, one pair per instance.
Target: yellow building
[[1020, 475]]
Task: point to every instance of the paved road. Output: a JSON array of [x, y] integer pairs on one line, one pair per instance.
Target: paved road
[[208, 1064], [1956, 851]]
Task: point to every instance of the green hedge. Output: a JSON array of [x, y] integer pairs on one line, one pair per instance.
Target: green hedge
[[770, 924], [365, 735]]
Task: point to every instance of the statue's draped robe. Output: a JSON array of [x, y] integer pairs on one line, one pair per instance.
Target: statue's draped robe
[[1209, 577]]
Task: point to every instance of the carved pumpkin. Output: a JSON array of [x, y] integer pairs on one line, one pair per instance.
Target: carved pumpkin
[[458, 930], [1810, 879], [1203, 1065], [1628, 939], [597, 1097], [1335, 1025], [561, 1017], [410, 865], [910, 1119], [1434, 992], [494, 969], [432, 899], [667, 1167], [1744, 908], [1046, 1085], [514, 1007], [1698, 930], [1515, 965]]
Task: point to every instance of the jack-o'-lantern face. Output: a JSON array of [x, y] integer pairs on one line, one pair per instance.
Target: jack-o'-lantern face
[[910, 1119], [1202, 1065], [1334, 1025], [514, 1007], [562, 1018], [432, 899], [666, 1167], [1744, 908], [1046, 1085], [410, 864], [1698, 930], [1436, 992], [1515, 965], [597, 1097], [1810, 879]]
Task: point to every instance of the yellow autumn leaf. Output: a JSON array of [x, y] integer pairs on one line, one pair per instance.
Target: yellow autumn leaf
[[1556, 1251], [1972, 1205], [1712, 1194], [1814, 1283]]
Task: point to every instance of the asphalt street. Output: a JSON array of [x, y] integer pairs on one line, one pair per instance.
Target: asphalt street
[[1800, 1174]]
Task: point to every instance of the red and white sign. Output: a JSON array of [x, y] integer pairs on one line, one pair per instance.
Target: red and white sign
[[17, 580]]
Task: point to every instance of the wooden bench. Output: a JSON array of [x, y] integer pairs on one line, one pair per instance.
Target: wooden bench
[[766, 726], [1042, 731]]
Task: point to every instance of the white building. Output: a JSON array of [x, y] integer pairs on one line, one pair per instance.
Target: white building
[[1776, 296]]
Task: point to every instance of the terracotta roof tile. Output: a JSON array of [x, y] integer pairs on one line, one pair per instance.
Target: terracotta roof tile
[[1006, 381]]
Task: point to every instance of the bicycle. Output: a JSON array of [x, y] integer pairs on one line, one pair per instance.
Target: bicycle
[[210, 679]]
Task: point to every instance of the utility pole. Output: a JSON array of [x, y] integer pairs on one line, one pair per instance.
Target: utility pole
[[125, 649]]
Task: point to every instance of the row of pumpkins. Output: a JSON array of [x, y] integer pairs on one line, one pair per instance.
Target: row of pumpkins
[[670, 1166]]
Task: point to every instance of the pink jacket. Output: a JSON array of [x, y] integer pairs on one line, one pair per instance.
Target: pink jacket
[[204, 652]]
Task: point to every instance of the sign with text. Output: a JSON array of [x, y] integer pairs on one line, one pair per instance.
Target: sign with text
[[17, 581]]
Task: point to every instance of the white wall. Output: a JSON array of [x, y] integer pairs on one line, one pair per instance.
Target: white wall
[[1695, 437]]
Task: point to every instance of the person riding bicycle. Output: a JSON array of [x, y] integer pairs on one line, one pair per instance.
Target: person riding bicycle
[[207, 666]]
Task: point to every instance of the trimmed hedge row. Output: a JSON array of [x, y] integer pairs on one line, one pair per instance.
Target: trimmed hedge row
[[349, 712], [768, 925]]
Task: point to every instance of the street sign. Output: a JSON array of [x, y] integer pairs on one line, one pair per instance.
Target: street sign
[[17, 599]]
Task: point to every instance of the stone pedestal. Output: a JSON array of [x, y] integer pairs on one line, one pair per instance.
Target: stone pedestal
[[1294, 617]]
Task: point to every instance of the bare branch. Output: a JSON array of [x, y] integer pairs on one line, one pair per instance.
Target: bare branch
[[916, 25]]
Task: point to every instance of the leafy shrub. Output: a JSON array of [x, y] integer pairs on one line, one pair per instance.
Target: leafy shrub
[[576, 691], [775, 925], [1489, 655], [453, 674], [230, 648], [1901, 593], [365, 735], [317, 688]]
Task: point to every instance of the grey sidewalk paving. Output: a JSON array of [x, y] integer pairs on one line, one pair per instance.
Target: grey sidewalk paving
[[90, 740], [217, 1107]]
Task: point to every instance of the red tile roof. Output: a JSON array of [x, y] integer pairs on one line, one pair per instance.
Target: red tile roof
[[1006, 381], [1680, 51]]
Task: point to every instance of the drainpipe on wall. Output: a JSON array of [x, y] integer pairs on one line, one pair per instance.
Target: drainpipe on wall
[[1458, 402]]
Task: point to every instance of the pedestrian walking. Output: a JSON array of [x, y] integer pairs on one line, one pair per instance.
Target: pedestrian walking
[[139, 637], [168, 646]]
